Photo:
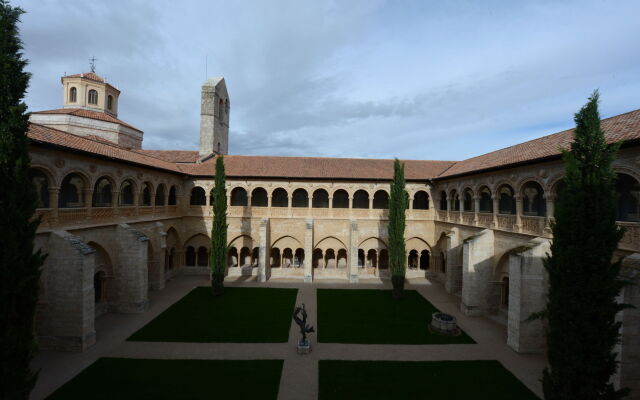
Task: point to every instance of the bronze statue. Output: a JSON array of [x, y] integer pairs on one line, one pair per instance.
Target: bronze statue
[[302, 323]]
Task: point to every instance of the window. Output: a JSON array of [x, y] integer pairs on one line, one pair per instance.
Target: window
[[73, 95], [421, 201], [93, 97], [279, 198], [239, 197], [486, 202], [198, 197], [110, 102]]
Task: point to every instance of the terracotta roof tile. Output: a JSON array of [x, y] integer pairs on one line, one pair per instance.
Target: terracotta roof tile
[[87, 75], [622, 127], [80, 112], [176, 156], [42, 134]]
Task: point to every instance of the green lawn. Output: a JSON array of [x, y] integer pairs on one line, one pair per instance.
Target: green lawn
[[373, 317], [240, 315], [123, 378], [401, 380]]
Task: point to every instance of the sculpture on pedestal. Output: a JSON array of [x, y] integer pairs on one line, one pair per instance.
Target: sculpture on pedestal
[[303, 343]]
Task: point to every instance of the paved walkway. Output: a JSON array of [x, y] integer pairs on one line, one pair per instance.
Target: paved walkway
[[300, 373]]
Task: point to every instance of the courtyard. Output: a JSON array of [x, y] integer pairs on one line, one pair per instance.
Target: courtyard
[[244, 351]]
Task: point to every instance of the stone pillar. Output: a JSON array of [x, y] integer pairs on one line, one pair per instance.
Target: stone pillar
[[449, 203], [131, 270], [269, 201], [453, 274], [496, 209], [264, 266], [353, 252], [66, 321], [629, 348], [370, 202], [518, 226], [476, 209], [550, 199], [308, 251], [477, 273], [54, 192], [115, 202], [527, 294], [88, 202]]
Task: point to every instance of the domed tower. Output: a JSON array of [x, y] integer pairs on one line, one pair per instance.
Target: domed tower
[[90, 92], [214, 118]]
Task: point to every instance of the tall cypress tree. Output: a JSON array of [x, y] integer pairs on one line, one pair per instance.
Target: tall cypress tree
[[583, 281], [219, 230], [19, 265], [397, 222]]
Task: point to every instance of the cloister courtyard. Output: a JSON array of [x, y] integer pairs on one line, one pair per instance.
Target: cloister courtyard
[[243, 345]]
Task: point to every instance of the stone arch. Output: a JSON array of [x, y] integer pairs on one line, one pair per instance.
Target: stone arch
[[300, 198], [172, 200], [41, 181], [525, 180], [628, 204], [198, 239], [381, 199], [417, 243], [443, 201], [198, 196], [372, 243], [287, 242], [103, 192], [127, 192], [172, 244], [52, 177], [161, 193], [340, 199], [486, 199], [259, 197], [239, 197], [533, 202], [506, 199], [103, 280], [329, 242], [146, 194], [279, 197], [72, 190], [360, 199], [420, 200], [241, 241], [320, 198]]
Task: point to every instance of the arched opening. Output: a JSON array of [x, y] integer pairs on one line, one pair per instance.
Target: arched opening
[[41, 183], [259, 198], [232, 257], [507, 202], [287, 258], [160, 195], [71, 192], [298, 258], [99, 286], [486, 203], [468, 200], [172, 196], [280, 198], [146, 194], [380, 200], [383, 260], [361, 199], [330, 258], [203, 257], [239, 197], [320, 199], [532, 199], [340, 199], [102, 193], [413, 259], [361, 258], [92, 97], [421, 200], [424, 260], [317, 261], [342, 258], [444, 262], [73, 95], [126, 193], [101, 279], [109, 102], [505, 292], [198, 197], [245, 257], [172, 242], [169, 259], [455, 201], [255, 256], [372, 258], [300, 198], [443, 201], [628, 207], [190, 257], [275, 257]]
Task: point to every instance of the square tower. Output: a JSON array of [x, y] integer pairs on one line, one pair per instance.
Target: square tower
[[214, 118]]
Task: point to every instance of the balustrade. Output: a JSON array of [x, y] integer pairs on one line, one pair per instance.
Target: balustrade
[[506, 222], [485, 220], [534, 225]]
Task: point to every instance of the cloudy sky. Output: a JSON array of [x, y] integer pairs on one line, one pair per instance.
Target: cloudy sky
[[409, 79]]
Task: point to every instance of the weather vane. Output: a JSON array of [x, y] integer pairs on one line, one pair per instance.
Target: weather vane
[[92, 64]]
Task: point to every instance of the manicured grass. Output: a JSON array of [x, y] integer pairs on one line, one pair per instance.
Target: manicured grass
[[123, 378], [401, 380], [373, 317], [240, 315]]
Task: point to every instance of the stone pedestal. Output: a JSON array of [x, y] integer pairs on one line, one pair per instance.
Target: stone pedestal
[[477, 271]]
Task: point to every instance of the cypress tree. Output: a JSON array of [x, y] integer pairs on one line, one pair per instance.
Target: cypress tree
[[219, 230], [583, 281], [19, 265], [398, 201]]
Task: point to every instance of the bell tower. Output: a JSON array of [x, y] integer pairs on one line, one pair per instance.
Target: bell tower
[[214, 118]]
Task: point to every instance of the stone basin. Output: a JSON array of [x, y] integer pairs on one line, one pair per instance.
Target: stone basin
[[444, 323]]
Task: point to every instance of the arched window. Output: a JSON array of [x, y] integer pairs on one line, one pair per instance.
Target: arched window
[[468, 200], [146, 194], [424, 259], [203, 257], [628, 208], [41, 183], [361, 199], [455, 200], [71, 192], [320, 199], [110, 102], [421, 200], [300, 198], [239, 197], [73, 95], [93, 97], [413, 259], [259, 198], [279, 198], [486, 203], [126, 193], [380, 199], [507, 203], [198, 197], [443, 201], [102, 193], [532, 201], [340, 199], [190, 256], [172, 196], [159, 200]]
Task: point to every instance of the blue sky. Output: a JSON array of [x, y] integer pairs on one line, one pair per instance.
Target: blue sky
[[377, 79]]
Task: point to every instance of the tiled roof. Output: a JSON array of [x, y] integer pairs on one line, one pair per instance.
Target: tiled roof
[[87, 75], [80, 112], [622, 127], [176, 156], [43, 134], [316, 168]]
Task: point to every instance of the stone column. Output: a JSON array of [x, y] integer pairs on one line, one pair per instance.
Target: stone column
[[353, 252], [264, 266], [115, 202], [54, 192], [527, 294], [449, 205], [453, 274], [476, 209], [518, 226], [477, 273], [269, 201], [460, 208], [308, 251], [550, 199], [496, 210], [131, 270], [88, 203]]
